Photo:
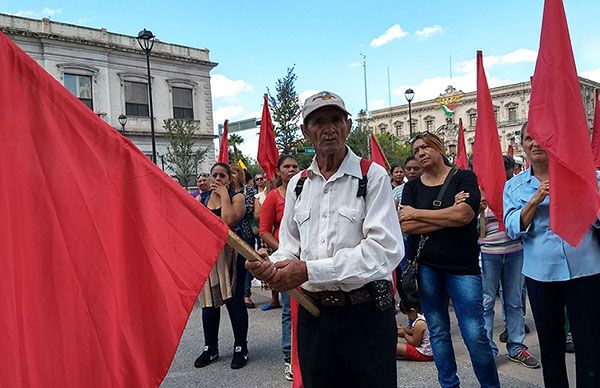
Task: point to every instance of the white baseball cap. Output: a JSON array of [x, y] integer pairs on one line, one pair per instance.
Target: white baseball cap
[[321, 100]]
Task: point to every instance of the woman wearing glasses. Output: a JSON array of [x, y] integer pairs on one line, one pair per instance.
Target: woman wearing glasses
[[448, 259]]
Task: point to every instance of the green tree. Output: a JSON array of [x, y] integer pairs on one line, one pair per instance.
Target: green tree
[[396, 150], [234, 153], [285, 107], [182, 155]]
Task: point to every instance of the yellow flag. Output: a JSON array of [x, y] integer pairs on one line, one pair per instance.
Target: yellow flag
[[242, 165]]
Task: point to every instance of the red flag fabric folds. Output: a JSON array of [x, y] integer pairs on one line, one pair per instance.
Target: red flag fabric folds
[[267, 155], [103, 254], [224, 148], [461, 155], [557, 122], [511, 151], [596, 132], [377, 154], [488, 162]]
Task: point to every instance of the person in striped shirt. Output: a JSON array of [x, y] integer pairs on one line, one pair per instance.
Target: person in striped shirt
[[501, 263]]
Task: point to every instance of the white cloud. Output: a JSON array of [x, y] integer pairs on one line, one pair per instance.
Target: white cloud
[[46, 12], [377, 104], [354, 64], [518, 56], [392, 33], [222, 86], [428, 32], [229, 112], [432, 87], [593, 74]]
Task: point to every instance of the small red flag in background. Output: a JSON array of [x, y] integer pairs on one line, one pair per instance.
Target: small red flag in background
[[488, 162], [377, 154], [557, 122], [596, 131], [461, 155], [102, 253], [224, 147], [511, 151], [267, 155]]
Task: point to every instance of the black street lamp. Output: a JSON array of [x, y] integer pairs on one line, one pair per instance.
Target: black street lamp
[[409, 94], [122, 121], [146, 41]]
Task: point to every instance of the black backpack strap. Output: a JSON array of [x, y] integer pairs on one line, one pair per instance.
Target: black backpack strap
[[437, 203], [300, 184], [365, 164]]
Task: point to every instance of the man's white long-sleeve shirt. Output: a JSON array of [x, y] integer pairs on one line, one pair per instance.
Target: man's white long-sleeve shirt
[[345, 240]]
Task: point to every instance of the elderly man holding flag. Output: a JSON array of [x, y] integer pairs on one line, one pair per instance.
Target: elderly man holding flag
[[339, 241]]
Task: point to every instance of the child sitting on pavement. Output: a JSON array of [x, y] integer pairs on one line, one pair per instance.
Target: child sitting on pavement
[[417, 346]]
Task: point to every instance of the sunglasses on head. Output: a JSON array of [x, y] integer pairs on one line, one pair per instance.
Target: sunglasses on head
[[419, 135]]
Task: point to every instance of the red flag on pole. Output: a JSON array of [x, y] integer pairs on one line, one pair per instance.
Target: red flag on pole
[[224, 148], [267, 155], [377, 154], [461, 155], [596, 131], [511, 151], [557, 122], [488, 162], [103, 254]]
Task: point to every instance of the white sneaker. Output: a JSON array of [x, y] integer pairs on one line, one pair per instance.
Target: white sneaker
[[289, 376]]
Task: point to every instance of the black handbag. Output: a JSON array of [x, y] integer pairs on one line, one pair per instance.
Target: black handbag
[[409, 281]]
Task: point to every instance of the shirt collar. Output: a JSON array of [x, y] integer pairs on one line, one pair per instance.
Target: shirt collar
[[350, 166]]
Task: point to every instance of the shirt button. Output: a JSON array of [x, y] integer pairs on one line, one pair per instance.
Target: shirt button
[[326, 191], [324, 215], [323, 241]]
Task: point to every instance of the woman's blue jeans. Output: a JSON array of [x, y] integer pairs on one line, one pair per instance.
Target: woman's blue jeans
[[466, 293]]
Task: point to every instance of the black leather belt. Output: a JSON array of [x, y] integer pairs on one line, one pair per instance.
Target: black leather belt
[[341, 298]]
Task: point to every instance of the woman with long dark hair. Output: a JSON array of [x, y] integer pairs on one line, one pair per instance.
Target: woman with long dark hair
[[225, 284], [444, 237]]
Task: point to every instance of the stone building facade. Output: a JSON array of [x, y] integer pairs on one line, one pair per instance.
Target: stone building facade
[[107, 72], [441, 115]]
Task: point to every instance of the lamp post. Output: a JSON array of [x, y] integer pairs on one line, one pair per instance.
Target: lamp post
[[122, 121], [409, 94], [146, 41]]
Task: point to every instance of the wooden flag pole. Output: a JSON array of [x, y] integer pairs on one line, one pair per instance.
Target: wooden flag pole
[[250, 254]]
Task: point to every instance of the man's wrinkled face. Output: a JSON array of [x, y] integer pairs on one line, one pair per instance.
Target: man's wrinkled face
[[327, 129], [534, 152]]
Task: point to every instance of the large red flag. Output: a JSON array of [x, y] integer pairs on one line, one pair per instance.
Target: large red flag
[[102, 254], [224, 148], [596, 131], [461, 155], [377, 154], [488, 162], [557, 121], [267, 155]]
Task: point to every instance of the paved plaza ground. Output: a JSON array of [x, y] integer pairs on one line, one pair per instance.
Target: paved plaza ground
[[265, 368]]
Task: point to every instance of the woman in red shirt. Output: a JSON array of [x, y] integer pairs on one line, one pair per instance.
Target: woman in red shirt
[[271, 213]]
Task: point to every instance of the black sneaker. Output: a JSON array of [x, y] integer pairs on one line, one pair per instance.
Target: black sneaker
[[503, 336], [209, 355], [240, 357], [570, 346]]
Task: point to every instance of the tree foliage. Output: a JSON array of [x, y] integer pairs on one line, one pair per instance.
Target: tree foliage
[[182, 156], [285, 108], [396, 150]]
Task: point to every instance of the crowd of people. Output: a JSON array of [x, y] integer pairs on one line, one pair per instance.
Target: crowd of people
[[343, 227]]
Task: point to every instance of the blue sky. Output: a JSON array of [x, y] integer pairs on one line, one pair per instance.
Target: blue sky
[[254, 43]]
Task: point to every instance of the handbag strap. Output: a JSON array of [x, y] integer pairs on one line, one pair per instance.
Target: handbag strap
[[437, 203]]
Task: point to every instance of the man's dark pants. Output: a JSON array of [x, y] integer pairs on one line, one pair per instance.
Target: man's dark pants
[[352, 346], [581, 296]]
